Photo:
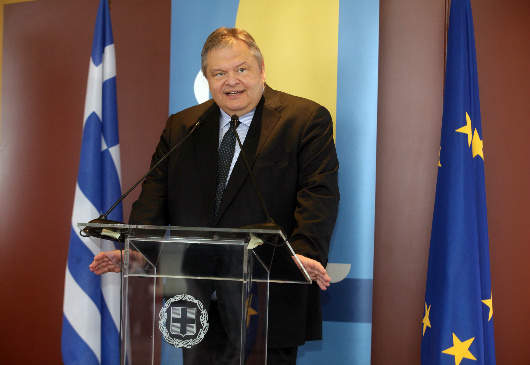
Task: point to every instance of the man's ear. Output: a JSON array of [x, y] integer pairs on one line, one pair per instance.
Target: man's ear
[[263, 71]]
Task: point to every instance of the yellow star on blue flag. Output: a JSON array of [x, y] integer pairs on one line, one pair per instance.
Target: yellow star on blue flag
[[460, 350]]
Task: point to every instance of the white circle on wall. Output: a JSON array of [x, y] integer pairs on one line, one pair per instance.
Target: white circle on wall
[[200, 88]]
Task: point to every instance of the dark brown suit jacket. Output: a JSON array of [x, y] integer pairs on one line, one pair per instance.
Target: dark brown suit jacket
[[292, 154]]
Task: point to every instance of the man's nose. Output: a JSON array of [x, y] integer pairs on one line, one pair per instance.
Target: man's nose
[[232, 79]]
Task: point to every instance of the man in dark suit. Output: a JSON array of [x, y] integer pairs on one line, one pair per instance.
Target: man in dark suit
[[289, 144]]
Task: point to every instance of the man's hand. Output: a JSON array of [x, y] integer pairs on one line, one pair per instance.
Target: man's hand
[[316, 271], [108, 261]]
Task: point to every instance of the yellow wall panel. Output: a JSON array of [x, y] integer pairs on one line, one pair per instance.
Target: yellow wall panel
[[299, 41]]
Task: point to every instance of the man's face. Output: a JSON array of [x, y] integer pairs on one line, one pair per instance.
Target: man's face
[[235, 78]]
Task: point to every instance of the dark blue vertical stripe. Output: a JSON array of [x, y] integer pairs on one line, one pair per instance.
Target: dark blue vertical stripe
[[89, 177], [74, 350], [110, 113], [102, 34], [349, 300], [111, 188], [79, 257], [110, 339]]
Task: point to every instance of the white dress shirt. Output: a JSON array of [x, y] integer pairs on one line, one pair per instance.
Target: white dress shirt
[[242, 130]]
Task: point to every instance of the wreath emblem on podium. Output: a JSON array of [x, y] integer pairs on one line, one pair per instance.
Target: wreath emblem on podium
[[183, 321]]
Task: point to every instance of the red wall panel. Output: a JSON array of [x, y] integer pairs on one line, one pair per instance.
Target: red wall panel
[[503, 58], [47, 45], [411, 61]]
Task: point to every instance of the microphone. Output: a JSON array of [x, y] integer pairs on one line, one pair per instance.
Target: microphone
[[269, 224], [115, 234]]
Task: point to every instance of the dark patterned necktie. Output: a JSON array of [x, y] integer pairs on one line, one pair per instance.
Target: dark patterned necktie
[[226, 154]]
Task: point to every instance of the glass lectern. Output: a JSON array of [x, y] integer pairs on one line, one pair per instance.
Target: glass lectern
[[172, 275]]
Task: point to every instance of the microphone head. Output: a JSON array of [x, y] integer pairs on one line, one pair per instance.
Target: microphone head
[[111, 234]]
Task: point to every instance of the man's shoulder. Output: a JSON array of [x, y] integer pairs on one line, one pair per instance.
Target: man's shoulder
[[281, 100], [288, 104], [191, 115]]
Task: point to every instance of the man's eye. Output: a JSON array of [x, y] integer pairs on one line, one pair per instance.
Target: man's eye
[[218, 74], [242, 69]]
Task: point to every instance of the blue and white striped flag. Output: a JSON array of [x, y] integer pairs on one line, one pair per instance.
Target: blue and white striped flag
[[91, 310]]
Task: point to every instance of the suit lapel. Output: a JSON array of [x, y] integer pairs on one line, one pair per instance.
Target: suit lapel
[[265, 119], [205, 144], [270, 117]]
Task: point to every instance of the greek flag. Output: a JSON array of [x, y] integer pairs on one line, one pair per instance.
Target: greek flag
[[90, 333]]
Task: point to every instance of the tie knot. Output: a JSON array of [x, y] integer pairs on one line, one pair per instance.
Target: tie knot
[[234, 121]]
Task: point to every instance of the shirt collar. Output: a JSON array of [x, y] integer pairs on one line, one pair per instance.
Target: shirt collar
[[246, 119]]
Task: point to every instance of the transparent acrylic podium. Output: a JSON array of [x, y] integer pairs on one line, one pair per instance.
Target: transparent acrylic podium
[[171, 276]]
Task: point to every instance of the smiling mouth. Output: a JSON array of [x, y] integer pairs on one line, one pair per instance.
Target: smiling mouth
[[236, 92]]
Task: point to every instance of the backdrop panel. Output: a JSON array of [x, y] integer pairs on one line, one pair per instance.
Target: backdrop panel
[[328, 52]]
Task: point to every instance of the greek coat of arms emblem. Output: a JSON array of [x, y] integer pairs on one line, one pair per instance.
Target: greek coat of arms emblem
[[183, 321]]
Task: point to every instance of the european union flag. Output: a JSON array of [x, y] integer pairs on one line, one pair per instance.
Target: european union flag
[[457, 327]]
